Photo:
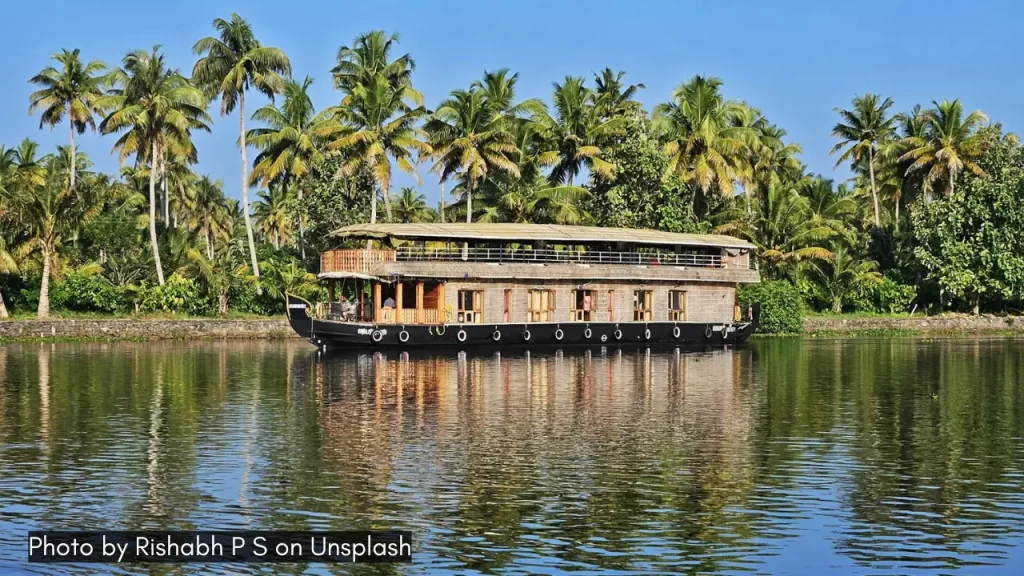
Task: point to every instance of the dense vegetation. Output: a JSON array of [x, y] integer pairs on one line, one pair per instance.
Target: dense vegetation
[[932, 218]]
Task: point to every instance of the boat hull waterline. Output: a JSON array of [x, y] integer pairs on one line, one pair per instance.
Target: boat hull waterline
[[353, 335]]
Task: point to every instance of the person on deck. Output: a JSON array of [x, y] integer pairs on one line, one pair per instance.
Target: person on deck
[[389, 302]]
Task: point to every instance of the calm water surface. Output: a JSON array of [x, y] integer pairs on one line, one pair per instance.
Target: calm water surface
[[790, 456]]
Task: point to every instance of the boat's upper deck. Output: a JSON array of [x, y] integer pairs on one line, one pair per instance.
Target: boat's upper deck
[[503, 251]]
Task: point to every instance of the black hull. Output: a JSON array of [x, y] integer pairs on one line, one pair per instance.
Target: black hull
[[328, 334]]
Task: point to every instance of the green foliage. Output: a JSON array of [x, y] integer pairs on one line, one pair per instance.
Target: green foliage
[[87, 293], [178, 296], [334, 201], [972, 244], [781, 306], [893, 297]]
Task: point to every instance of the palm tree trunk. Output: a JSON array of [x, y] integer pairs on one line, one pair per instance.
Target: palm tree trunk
[[71, 126], [387, 202], [3, 308], [837, 304], [209, 243], [44, 289], [152, 216], [975, 301], [373, 213], [469, 216], [871, 173], [245, 193], [442, 202], [163, 190], [302, 228], [949, 190]]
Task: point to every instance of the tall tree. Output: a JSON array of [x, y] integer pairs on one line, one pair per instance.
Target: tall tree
[[951, 143], [383, 126], [230, 65], [576, 131], [862, 130], [706, 137], [612, 96], [73, 92], [411, 206], [273, 211], [157, 109], [292, 140], [50, 214], [470, 141], [381, 108]]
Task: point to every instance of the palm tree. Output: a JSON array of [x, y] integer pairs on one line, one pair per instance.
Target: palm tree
[[7, 264], [411, 206], [273, 213], [782, 229], [611, 96], [50, 214], [951, 143], [291, 142], [381, 107], [499, 90], [208, 213], [384, 127], [706, 137], [229, 66], [867, 127], [576, 131], [369, 57], [157, 109], [74, 92], [470, 140], [842, 275]]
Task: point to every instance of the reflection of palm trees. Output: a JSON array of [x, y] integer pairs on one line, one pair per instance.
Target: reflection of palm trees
[[155, 489]]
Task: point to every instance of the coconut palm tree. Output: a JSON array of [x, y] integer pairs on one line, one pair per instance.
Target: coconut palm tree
[[782, 229], [842, 275], [867, 127], [380, 109], [470, 141], [8, 265], [50, 214], [273, 210], [291, 142], [369, 57], [499, 88], [611, 96], [73, 92], [229, 65], [157, 109], [411, 206], [707, 138], [576, 132], [951, 143], [383, 127]]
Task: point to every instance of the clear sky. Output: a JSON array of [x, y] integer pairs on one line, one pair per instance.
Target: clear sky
[[795, 60]]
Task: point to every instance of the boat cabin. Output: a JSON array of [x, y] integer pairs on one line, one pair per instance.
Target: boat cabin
[[481, 273]]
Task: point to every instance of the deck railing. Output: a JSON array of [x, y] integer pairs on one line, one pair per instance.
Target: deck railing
[[362, 261], [418, 253], [353, 260]]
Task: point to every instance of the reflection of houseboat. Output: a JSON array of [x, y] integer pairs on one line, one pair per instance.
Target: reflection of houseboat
[[460, 284]]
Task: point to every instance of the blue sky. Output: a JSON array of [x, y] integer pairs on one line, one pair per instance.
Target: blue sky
[[795, 60]]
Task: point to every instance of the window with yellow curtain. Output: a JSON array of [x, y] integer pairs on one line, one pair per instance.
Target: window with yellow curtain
[[471, 306]]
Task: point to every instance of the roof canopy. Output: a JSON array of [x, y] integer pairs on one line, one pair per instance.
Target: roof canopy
[[535, 232]]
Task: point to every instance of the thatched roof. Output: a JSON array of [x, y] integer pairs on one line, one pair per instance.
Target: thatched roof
[[535, 232]]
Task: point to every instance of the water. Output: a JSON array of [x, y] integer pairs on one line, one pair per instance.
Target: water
[[882, 456]]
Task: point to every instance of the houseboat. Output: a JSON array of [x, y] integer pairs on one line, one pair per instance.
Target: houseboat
[[413, 285]]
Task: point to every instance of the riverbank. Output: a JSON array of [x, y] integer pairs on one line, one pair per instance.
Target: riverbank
[[140, 329], [101, 329], [910, 325]]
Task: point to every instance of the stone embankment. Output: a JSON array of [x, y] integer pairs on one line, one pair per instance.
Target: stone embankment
[[945, 323], [129, 329]]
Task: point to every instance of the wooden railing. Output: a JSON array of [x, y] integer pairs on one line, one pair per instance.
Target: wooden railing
[[353, 260]]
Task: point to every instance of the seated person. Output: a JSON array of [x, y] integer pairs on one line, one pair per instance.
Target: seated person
[[389, 302]]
